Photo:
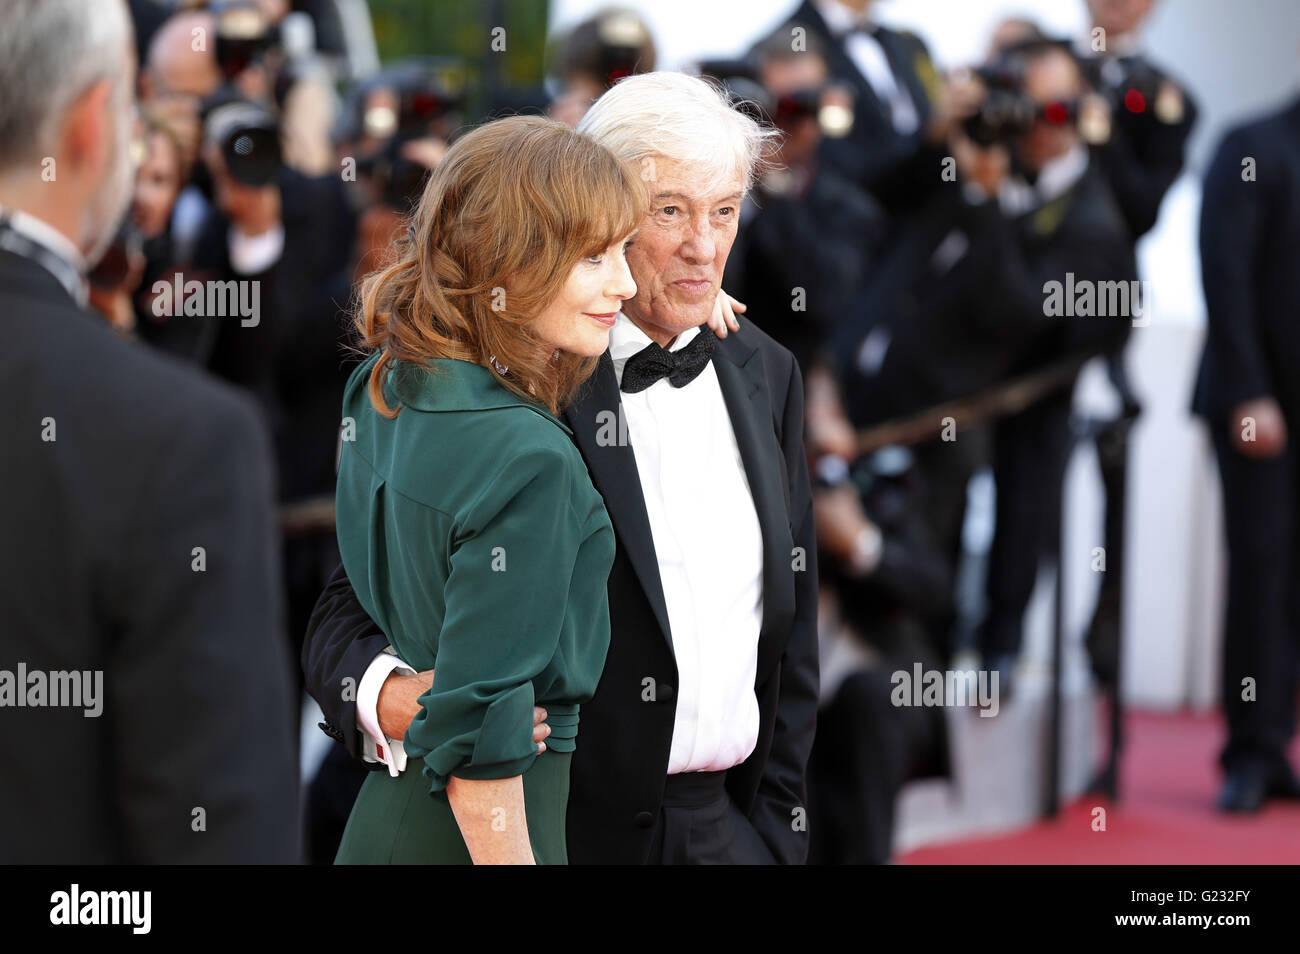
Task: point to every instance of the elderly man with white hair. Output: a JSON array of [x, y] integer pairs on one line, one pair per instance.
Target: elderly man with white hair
[[141, 648], [695, 745]]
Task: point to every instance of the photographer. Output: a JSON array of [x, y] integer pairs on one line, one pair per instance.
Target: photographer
[[807, 236], [595, 55], [959, 305], [287, 240], [885, 584], [901, 115]]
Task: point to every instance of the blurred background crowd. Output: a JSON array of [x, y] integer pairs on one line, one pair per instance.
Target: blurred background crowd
[[902, 247]]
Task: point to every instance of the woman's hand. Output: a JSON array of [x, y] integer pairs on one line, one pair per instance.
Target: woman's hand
[[724, 314]]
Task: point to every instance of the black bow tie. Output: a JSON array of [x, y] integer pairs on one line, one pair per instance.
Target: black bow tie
[[680, 367]]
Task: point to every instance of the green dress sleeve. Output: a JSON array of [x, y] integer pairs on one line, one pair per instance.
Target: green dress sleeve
[[511, 565]]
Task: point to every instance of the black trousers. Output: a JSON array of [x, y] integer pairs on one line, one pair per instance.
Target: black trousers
[[699, 824], [1030, 451], [1260, 640]]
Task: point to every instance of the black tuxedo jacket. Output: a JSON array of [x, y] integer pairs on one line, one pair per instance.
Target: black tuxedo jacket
[[623, 743], [149, 459], [1250, 243], [899, 171]]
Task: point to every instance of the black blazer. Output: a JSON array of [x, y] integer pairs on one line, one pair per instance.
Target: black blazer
[[1250, 244], [149, 460], [899, 171], [623, 743]]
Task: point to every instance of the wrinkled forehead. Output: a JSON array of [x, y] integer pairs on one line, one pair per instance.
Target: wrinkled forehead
[[694, 182]]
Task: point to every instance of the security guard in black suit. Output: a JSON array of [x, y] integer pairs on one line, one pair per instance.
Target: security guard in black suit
[[138, 567], [1248, 393]]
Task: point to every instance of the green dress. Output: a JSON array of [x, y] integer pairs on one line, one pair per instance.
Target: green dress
[[474, 538]]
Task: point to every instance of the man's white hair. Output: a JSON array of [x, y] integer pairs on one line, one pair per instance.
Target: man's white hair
[[52, 51], [682, 118]]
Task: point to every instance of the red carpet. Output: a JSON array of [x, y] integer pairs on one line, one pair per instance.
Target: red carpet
[[1168, 783]]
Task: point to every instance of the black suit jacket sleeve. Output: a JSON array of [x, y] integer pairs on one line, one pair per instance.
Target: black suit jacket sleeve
[[197, 677], [1233, 221], [1140, 178], [779, 810], [341, 642]]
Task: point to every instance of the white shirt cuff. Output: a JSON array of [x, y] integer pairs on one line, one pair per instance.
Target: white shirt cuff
[[375, 746], [253, 254]]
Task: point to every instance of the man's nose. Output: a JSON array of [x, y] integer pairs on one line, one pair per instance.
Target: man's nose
[[698, 246]]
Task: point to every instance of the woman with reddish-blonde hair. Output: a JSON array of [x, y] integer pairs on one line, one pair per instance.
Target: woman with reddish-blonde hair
[[466, 518]]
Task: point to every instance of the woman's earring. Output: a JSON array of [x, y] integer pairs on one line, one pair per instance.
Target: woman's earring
[[500, 368]]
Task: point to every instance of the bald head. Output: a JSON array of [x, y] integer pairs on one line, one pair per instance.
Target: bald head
[[182, 57]]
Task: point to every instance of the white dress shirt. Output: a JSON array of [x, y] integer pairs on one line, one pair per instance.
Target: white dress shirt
[[869, 57], [709, 547], [710, 551]]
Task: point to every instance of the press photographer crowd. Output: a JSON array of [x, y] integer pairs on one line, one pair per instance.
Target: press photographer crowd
[[597, 455]]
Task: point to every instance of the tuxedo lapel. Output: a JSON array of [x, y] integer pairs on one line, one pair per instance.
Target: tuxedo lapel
[[600, 431], [905, 72], [596, 419], [749, 404]]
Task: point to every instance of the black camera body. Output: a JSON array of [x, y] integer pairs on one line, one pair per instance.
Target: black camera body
[[243, 35], [1006, 111]]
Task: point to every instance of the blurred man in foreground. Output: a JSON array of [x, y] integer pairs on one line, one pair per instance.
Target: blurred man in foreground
[[142, 665], [1247, 392]]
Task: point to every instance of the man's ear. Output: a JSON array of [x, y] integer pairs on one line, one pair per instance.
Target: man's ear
[[88, 128]]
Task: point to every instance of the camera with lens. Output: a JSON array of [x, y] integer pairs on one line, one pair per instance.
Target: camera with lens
[[418, 98], [1006, 111], [243, 35], [248, 138], [398, 180]]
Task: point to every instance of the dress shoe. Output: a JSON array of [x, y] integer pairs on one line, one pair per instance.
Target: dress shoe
[[1284, 785], [1243, 792]]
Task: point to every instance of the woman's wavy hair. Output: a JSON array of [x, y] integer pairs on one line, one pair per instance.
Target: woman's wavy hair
[[512, 207]]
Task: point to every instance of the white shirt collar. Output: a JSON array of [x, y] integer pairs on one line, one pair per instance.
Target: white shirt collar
[[1059, 174], [1018, 197], [626, 339], [46, 235], [45, 245]]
